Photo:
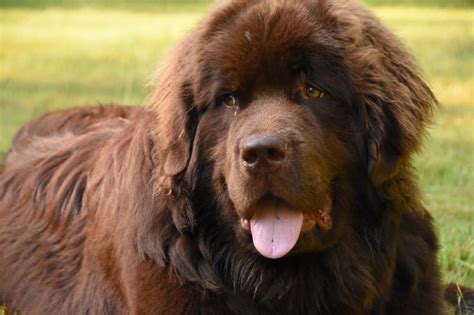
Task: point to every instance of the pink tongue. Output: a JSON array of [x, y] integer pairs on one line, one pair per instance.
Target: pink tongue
[[275, 229]]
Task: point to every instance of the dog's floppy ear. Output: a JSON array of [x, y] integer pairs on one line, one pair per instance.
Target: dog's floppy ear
[[396, 102], [176, 116]]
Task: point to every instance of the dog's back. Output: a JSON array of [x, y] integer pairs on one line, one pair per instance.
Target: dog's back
[[65, 123], [43, 221]]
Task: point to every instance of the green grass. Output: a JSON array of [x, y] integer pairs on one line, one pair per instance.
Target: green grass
[[141, 5], [431, 3], [63, 55]]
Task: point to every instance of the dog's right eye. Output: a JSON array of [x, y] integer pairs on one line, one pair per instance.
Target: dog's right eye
[[312, 92], [230, 101]]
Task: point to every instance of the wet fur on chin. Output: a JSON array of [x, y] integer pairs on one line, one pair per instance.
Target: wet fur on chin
[[131, 212]]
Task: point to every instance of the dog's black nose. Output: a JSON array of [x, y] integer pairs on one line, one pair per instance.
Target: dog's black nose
[[270, 150]]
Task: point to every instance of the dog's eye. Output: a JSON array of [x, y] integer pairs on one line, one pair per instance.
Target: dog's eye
[[230, 101], [313, 92]]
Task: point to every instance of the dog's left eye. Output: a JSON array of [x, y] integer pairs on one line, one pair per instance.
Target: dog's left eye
[[313, 92], [230, 100]]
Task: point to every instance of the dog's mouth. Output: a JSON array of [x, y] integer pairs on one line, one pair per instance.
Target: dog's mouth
[[276, 227]]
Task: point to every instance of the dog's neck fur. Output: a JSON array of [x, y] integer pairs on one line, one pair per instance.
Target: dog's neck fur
[[226, 269]]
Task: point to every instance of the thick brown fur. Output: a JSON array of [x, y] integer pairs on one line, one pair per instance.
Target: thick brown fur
[[138, 211]]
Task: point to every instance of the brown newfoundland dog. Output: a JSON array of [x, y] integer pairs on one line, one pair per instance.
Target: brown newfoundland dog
[[273, 176]]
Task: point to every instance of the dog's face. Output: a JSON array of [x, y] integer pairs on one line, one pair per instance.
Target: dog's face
[[282, 162], [287, 103], [284, 136]]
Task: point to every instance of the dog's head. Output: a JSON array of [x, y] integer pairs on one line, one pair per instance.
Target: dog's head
[[284, 104]]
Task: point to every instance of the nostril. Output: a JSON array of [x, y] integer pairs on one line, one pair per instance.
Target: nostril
[[250, 157], [276, 154], [261, 150]]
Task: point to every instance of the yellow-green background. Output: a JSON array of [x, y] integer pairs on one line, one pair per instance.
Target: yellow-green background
[[55, 54]]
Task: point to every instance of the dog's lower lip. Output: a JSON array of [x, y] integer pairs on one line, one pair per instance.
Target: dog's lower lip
[[309, 222], [245, 224]]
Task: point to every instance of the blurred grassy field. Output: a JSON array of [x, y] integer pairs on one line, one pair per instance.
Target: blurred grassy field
[[62, 55]]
